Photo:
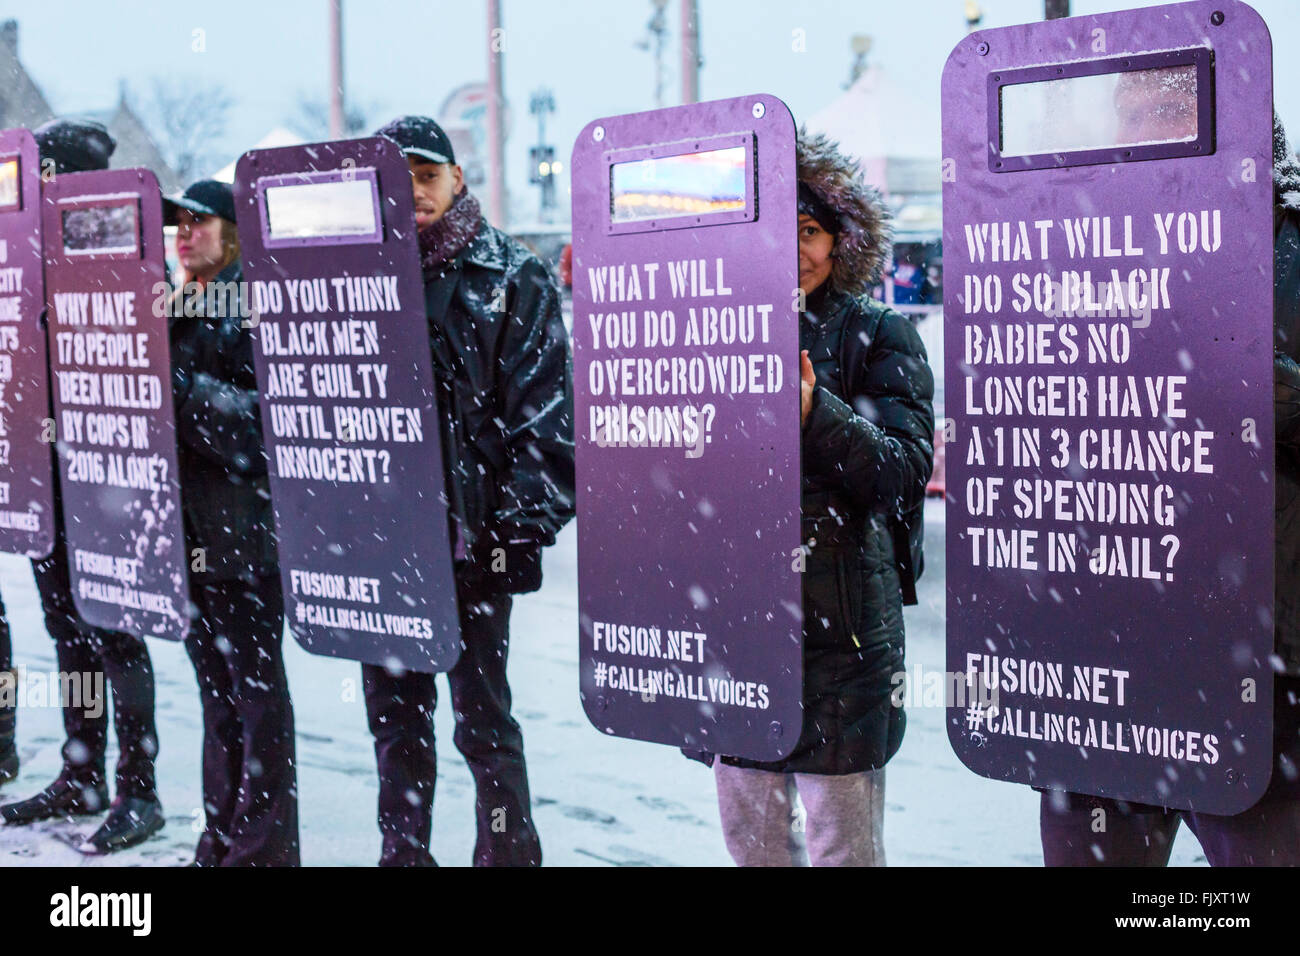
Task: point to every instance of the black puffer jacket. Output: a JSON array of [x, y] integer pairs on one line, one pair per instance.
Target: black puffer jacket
[[1286, 397], [866, 457], [1286, 405], [224, 487], [505, 398]]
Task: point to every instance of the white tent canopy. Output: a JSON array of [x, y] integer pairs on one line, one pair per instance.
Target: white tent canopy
[[279, 136], [885, 126]]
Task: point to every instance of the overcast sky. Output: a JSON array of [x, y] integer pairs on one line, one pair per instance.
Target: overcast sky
[[405, 56]]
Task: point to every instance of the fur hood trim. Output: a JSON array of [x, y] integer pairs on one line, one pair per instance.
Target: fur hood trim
[[866, 223]]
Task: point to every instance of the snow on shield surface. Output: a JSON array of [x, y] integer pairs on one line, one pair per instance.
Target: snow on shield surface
[[345, 384], [686, 347], [116, 429], [1108, 240], [26, 454]]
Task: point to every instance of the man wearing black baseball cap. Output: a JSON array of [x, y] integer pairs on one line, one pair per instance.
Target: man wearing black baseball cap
[[420, 137], [440, 193], [207, 197], [500, 356], [73, 146]]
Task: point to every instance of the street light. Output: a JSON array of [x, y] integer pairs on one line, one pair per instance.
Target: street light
[[860, 44]]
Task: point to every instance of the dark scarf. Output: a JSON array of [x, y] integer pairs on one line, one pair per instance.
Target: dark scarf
[[443, 240], [815, 301]]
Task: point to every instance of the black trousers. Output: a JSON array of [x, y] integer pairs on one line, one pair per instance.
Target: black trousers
[[8, 711], [123, 660], [6, 645], [1079, 830], [400, 711], [250, 788]]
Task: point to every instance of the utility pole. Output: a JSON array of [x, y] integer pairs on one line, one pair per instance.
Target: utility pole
[[1056, 9], [496, 117], [690, 51], [337, 123], [545, 167]]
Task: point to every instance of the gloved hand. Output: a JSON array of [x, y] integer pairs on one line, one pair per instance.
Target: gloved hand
[[499, 565]]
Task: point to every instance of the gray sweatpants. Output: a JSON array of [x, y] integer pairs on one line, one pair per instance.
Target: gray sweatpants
[[842, 823]]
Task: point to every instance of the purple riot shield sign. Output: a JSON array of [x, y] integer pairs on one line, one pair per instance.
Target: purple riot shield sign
[[106, 323], [1108, 339], [686, 347], [345, 376], [26, 435]]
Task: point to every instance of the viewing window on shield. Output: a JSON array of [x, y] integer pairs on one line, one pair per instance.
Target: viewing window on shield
[[322, 210], [690, 184], [8, 184], [1131, 108], [100, 230]]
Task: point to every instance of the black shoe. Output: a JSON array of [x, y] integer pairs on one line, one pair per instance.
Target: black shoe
[[130, 821], [63, 798], [8, 766], [405, 855], [8, 752]]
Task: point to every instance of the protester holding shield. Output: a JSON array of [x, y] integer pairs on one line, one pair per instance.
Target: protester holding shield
[[1084, 830], [250, 794], [72, 146], [867, 452], [8, 705], [505, 410]]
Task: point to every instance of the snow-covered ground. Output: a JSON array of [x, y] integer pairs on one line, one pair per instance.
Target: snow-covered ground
[[597, 800]]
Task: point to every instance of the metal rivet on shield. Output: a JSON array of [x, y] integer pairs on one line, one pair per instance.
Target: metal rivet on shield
[[1232, 776], [775, 729], [982, 49], [602, 703], [759, 110], [1217, 18], [598, 133]]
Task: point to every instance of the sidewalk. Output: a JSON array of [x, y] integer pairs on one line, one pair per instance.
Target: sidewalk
[[597, 800]]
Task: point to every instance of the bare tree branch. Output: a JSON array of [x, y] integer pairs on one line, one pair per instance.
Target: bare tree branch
[[188, 121], [312, 119]]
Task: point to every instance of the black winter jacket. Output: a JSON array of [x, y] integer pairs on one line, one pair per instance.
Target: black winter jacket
[[505, 402], [867, 457], [224, 487], [1286, 406]]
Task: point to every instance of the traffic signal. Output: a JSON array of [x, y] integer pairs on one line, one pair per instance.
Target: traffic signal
[[542, 164]]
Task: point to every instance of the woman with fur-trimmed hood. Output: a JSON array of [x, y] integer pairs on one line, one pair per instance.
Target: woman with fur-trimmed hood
[[868, 429]]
